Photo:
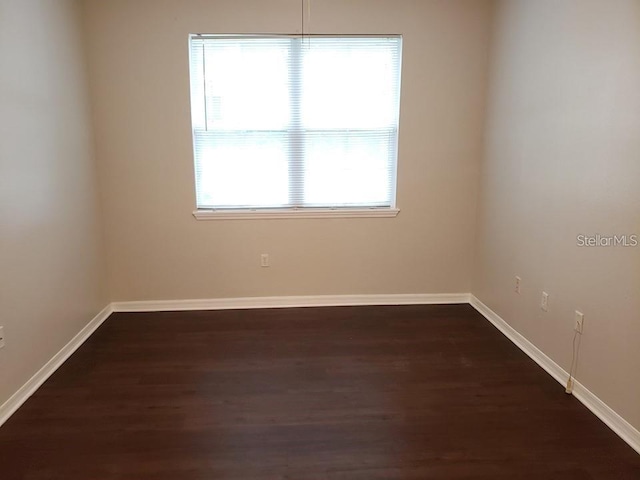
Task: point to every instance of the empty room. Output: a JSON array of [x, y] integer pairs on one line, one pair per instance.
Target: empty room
[[319, 239]]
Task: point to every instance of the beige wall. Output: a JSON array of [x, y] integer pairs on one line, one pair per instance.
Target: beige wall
[[51, 271], [157, 250], [563, 159]]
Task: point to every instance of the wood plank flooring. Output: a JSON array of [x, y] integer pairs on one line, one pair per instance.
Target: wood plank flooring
[[358, 393]]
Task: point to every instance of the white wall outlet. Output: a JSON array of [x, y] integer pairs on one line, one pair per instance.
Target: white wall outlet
[[264, 260], [579, 322], [1, 337], [544, 303], [517, 288]]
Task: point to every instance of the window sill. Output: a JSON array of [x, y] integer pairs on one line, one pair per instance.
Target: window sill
[[301, 213]]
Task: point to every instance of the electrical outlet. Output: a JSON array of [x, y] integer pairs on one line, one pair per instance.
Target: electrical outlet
[[264, 260], [544, 303], [1, 337], [579, 322], [518, 280]]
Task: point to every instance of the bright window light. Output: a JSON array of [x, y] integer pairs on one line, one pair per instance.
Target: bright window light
[[284, 122]]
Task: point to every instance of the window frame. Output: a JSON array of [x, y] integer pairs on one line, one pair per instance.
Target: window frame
[[205, 213]]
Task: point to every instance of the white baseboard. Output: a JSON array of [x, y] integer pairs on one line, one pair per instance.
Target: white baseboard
[[600, 409], [289, 302], [618, 424], [9, 407]]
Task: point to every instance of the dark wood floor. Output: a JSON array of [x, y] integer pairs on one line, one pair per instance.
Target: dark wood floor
[[367, 393]]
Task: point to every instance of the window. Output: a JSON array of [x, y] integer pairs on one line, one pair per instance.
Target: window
[[291, 124]]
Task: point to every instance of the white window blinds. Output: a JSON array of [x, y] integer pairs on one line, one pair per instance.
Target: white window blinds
[[287, 122]]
